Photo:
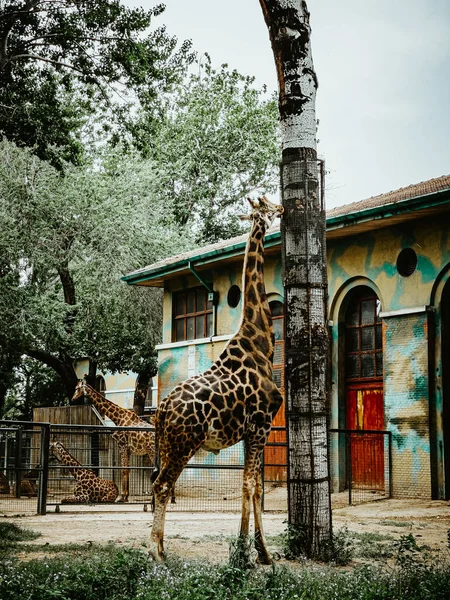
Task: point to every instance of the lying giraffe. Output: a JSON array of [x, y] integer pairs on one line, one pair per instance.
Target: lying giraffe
[[136, 442], [234, 400], [89, 487]]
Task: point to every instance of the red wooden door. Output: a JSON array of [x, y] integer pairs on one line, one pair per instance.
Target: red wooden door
[[364, 388], [275, 452], [365, 411]]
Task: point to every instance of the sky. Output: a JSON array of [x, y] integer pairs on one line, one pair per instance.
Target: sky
[[383, 66]]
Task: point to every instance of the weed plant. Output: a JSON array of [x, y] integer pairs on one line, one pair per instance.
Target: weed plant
[[109, 572]]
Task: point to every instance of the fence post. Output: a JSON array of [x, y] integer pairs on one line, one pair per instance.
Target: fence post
[[43, 474], [18, 461], [390, 463], [349, 466]]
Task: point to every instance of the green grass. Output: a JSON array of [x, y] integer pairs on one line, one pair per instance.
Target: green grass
[[109, 572], [378, 546], [10, 536], [388, 523], [10, 532]]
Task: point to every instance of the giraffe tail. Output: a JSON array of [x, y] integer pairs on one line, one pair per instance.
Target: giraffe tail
[[154, 475]]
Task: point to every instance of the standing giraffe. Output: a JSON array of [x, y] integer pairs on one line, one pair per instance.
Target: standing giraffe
[[235, 399], [136, 442], [89, 487]]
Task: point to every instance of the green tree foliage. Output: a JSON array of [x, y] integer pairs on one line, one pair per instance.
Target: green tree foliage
[[35, 385], [62, 61], [216, 143], [67, 240], [73, 221]]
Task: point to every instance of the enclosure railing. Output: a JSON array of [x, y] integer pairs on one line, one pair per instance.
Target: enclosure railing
[[31, 478], [24, 455], [361, 464]]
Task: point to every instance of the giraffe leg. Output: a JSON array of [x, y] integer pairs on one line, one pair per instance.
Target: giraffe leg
[[252, 494], [171, 468], [82, 496], [125, 460], [161, 493], [260, 542], [248, 487]]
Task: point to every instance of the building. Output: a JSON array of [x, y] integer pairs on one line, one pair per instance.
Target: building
[[389, 321]]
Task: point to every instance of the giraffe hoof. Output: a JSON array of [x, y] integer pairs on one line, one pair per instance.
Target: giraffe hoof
[[156, 557], [122, 500], [276, 556]]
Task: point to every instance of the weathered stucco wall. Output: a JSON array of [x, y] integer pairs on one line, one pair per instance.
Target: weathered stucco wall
[[406, 401], [370, 259], [374, 255]]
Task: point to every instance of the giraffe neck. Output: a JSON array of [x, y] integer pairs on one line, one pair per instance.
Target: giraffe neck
[[256, 317], [118, 415], [67, 459]]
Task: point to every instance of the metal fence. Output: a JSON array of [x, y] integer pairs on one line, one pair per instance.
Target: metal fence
[[361, 465], [33, 480], [23, 466]]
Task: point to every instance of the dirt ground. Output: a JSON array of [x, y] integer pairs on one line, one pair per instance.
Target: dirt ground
[[206, 535]]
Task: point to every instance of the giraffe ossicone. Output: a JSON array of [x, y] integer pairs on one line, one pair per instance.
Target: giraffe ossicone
[[234, 400]]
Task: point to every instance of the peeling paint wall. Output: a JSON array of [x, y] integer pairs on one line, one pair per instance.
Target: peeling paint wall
[[406, 401], [374, 255]]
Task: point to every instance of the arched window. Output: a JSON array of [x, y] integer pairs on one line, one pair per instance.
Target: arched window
[[100, 384], [363, 338]]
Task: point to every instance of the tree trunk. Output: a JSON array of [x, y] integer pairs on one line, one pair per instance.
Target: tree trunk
[[304, 279], [140, 393], [91, 377], [64, 369]]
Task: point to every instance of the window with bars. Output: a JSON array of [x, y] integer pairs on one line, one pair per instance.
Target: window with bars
[[363, 339], [192, 315]]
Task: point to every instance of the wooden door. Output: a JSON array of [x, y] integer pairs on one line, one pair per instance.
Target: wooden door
[[364, 388], [365, 411], [275, 452]]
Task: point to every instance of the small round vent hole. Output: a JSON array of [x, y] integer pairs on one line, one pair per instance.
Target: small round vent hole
[[234, 296], [406, 262]]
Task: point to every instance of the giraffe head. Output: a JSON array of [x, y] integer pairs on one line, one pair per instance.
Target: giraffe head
[[80, 391], [264, 210], [57, 449]]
